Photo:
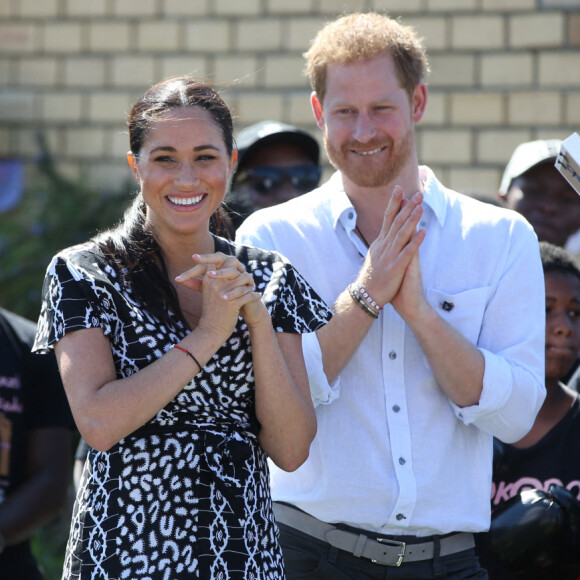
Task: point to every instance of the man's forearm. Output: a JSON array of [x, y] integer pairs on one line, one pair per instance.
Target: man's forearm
[[457, 364], [342, 335]]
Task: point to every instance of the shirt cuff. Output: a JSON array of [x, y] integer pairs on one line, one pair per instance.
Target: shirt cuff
[[321, 391], [494, 395], [509, 402]]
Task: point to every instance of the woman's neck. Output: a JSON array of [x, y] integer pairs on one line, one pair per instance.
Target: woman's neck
[[177, 257], [177, 251]]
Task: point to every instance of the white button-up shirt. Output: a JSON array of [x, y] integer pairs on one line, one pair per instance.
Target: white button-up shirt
[[393, 454]]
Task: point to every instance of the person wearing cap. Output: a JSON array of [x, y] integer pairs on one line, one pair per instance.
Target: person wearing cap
[[533, 186], [276, 162]]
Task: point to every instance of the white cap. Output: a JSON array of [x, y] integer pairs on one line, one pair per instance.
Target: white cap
[[526, 156]]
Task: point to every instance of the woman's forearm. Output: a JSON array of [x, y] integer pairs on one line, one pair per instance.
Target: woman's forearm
[[283, 404]]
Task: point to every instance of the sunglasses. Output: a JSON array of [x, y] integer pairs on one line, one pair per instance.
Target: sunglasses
[[268, 179]]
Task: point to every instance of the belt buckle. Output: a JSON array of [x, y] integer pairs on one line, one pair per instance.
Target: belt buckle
[[394, 544]]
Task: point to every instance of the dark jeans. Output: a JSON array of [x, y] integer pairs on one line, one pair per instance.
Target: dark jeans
[[307, 558]]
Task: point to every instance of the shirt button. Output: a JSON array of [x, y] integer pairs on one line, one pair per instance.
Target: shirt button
[[392, 355], [400, 517], [396, 408], [423, 224], [402, 461], [350, 215], [447, 306]]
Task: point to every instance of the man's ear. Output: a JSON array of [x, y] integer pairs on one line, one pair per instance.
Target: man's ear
[[133, 165], [419, 102], [317, 110]]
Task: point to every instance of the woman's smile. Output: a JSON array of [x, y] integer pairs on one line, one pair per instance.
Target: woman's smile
[[186, 202]]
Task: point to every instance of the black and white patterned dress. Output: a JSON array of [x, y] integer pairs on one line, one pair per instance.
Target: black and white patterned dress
[[186, 495]]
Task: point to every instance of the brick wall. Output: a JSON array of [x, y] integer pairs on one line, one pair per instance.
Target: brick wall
[[503, 71]]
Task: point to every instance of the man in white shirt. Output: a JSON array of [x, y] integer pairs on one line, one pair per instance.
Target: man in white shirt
[[437, 342]]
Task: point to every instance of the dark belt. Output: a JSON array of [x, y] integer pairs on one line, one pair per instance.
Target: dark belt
[[382, 551]]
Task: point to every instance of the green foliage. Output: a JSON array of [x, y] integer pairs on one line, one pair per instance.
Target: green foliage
[[49, 545], [54, 213]]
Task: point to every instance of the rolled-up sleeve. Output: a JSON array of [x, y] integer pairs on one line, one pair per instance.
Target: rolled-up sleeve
[[321, 391], [512, 341]]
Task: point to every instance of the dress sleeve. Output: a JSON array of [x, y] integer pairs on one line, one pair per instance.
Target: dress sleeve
[[293, 304], [76, 294]]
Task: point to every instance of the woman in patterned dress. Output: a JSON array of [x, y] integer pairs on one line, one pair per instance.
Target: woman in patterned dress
[[176, 483]]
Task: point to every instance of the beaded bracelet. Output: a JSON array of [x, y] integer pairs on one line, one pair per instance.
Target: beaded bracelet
[[361, 302], [188, 354], [368, 298]]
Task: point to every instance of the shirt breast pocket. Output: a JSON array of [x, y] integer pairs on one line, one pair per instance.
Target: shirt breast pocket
[[463, 310]]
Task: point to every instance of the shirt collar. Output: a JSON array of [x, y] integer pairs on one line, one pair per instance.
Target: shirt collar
[[342, 210], [434, 194]]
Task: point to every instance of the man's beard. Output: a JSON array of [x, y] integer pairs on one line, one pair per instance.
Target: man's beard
[[359, 172]]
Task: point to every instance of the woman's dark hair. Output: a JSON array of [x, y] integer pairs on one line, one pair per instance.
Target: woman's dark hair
[[131, 245], [172, 94]]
